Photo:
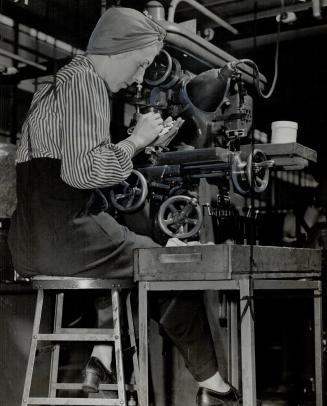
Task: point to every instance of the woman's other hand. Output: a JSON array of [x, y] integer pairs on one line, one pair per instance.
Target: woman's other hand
[[146, 130], [167, 136]]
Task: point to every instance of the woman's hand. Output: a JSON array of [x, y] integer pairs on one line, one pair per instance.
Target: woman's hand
[[146, 130]]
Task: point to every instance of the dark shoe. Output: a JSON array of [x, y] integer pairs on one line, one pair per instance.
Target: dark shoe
[[95, 373], [208, 397]]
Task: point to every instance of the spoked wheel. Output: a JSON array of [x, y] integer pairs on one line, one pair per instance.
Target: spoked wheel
[[252, 174], [129, 195], [180, 216], [258, 170]]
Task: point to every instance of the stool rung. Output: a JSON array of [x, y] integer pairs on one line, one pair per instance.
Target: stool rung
[[73, 401], [102, 386], [104, 331], [74, 337]]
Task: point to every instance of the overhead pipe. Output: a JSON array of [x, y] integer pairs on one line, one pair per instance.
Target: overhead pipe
[[267, 39], [20, 59], [272, 12], [174, 3], [210, 3]]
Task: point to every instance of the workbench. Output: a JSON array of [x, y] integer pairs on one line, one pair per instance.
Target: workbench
[[229, 267]]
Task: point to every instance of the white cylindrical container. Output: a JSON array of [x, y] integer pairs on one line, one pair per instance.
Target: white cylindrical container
[[283, 132]]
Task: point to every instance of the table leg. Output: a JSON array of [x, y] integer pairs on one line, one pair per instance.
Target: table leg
[[247, 346], [318, 346], [233, 343], [143, 344]]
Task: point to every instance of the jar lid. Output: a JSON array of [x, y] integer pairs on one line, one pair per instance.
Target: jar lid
[[288, 124]]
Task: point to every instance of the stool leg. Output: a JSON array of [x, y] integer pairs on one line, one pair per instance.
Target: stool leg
[[118, 347], [33, 347], [318, 345], [131, 331], [55, 353]]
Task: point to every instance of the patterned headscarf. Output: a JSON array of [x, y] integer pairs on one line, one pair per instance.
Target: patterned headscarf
[[124, 29]]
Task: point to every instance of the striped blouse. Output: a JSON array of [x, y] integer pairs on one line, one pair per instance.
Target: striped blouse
[[72, 124]]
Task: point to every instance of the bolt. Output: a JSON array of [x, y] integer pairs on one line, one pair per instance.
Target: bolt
[[35, 336], [116, 337]]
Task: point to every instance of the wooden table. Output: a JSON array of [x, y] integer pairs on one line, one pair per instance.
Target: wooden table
[[228, 267]]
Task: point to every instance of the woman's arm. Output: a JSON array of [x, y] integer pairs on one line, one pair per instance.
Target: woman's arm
[[89, 159]]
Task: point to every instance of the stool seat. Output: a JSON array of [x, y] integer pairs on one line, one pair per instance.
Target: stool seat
[[70, 283]]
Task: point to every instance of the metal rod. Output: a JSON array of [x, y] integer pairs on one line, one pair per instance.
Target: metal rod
[[263, 40], [173, 5], [316, 8], [273, 12], [20, 59], [212, 166], [213, 3]]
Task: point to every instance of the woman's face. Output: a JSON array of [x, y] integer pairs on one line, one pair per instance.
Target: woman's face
[[127, 68]]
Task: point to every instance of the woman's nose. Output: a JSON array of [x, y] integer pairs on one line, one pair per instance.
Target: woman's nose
[[138, 78]]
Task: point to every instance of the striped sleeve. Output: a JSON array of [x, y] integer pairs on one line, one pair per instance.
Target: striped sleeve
[[89, 159]]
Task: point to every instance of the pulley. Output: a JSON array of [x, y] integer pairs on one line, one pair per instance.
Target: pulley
[[129, 195], [159, 70], [180, 216], [252, 174], [164, 71]]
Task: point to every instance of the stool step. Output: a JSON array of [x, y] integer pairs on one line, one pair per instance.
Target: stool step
[[73, 401], [75, 337], [102, 386], [70, 330]]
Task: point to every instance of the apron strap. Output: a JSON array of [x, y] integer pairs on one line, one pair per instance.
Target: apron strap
[[51, 88]]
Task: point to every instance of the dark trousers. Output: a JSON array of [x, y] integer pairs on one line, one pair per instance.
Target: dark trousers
[[182, 316]]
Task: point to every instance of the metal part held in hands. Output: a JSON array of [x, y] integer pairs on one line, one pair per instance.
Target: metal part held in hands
[[180, 216], [252, 174], [129, 195]]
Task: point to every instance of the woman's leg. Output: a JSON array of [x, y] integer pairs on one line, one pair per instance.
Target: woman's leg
[[103, 352], [98, 368], [183, 318]]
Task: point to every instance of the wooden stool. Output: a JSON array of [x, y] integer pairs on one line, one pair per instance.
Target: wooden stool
[[60, 334]]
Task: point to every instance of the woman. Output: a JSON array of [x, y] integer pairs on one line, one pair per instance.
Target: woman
[[61, 226]]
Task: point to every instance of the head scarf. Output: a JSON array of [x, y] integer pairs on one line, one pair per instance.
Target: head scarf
[[124, 29]]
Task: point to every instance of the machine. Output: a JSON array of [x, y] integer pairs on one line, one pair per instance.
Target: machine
[[193, 178]]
